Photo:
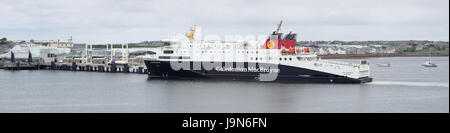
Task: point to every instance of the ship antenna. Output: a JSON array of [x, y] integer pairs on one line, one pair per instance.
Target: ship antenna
[[279, 26]]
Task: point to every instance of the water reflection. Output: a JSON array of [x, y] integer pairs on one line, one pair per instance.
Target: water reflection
[[404, 87]]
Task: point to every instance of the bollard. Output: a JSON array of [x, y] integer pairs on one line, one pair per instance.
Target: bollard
[[18, 66]]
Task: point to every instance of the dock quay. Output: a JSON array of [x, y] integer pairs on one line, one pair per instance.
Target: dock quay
[[89, 60], [119, 68]]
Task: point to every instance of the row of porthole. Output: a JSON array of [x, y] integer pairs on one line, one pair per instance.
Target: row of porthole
[[214, 52], [260, 58], [224, 52], [221, 52], [207, 52], [246, 52], [286, 59], [290, 59], [184, 51]]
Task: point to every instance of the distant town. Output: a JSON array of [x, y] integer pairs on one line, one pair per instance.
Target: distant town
[[321, 48]]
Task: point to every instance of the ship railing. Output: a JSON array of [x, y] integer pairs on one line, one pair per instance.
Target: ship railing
[[340, 63]]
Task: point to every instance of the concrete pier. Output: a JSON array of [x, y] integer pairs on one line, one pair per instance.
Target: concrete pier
[[74, 66]]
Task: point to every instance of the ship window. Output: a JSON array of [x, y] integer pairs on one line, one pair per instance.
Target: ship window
[[174, 57], [251, 58], [363, 62], [256, 58], [260, 58], [164, 57], [290, 58], [184, 57], [168, 51], [280, 58], [285, 58]]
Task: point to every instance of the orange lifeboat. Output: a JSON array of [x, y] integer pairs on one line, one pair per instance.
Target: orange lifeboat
[[290, 51]]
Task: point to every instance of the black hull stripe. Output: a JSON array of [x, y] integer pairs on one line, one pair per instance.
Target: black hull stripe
[[162, 69]]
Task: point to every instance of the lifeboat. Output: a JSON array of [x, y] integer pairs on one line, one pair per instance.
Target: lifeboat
[[290, 51]]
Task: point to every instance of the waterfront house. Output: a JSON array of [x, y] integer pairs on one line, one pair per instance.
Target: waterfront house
[[419, 47]]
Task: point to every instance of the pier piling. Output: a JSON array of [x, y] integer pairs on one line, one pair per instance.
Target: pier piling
[[74, 66], [52, 65]]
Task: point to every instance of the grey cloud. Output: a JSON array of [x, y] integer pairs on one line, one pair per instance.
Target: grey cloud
[[103, 21]]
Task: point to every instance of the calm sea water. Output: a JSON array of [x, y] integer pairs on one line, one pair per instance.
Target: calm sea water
[[404, 87]]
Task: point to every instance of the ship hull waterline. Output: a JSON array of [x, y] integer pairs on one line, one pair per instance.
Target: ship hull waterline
[[163, 70]]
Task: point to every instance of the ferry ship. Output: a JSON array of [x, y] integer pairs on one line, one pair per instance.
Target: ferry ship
[[275, 60]]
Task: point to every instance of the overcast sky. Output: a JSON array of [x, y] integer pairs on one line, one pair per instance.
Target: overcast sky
[[117, 21]]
